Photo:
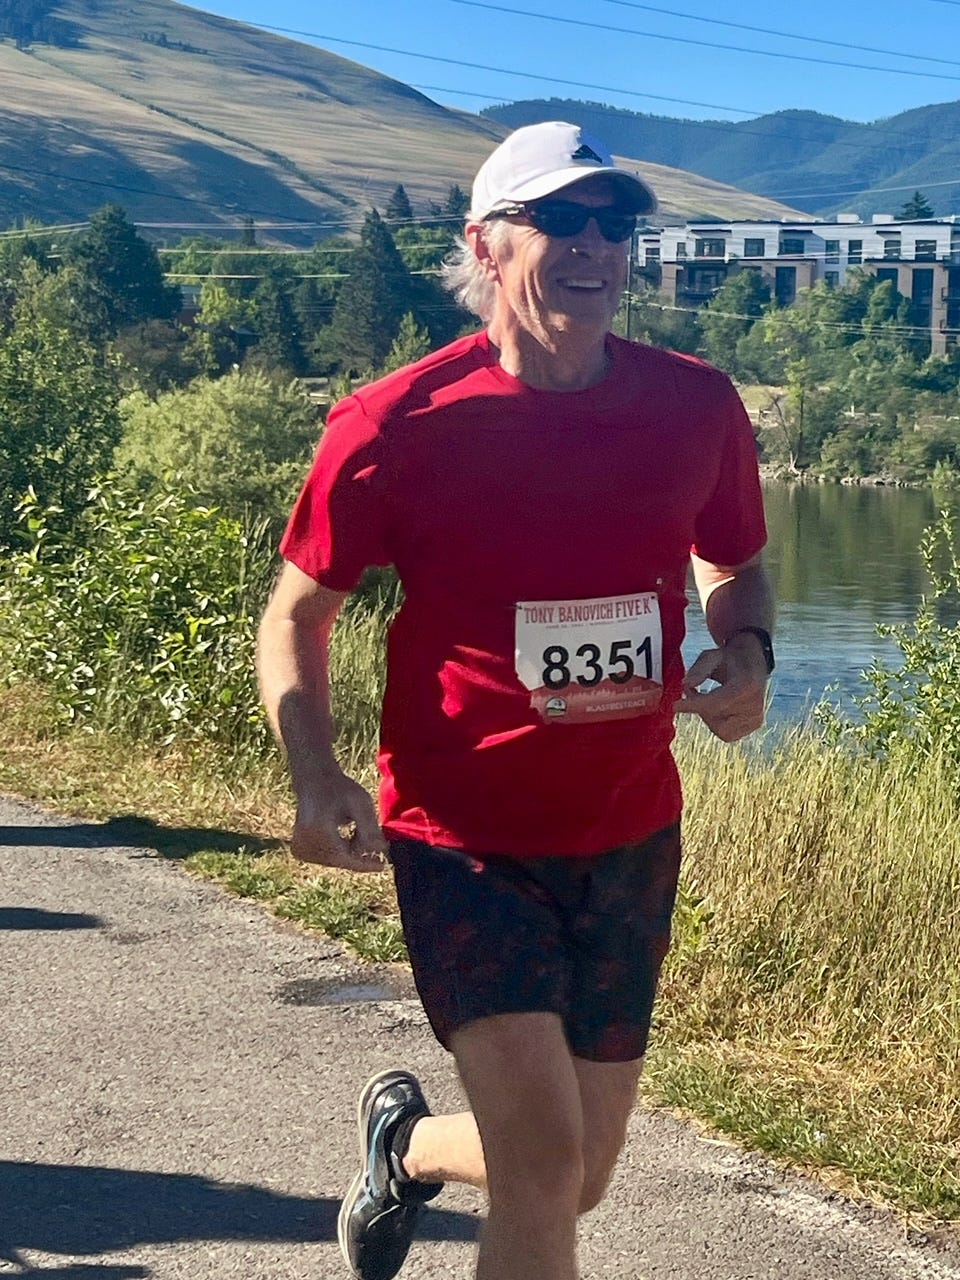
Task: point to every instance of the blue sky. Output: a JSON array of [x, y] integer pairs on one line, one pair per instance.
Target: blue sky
[[675, 60]]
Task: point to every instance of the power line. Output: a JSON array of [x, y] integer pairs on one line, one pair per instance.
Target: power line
[[61, 228], [742, 130], [705, 44], [523, 75], [293, 224], [785, 35]]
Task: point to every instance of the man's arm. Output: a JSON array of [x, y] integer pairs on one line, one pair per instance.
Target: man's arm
[[336, 822], [732, 598]]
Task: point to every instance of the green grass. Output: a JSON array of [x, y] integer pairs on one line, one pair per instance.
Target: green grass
[[810, 1006]]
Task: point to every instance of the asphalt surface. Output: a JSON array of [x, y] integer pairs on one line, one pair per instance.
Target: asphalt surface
[[180, 1094]]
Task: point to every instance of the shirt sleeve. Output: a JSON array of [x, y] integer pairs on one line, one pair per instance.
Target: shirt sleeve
[[339, 523], [731, 527]]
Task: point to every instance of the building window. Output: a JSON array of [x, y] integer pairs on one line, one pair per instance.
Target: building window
[[833, 251], [682, 250], [888, 273], [755, 248], [710, 247], [785, 287], [854, 251], [923, 285], [832, 279], [791, 245], [653, 253], [706, 281], [891, 248], [926, 251]]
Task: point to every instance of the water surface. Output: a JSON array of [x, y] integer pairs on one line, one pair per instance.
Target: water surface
[[842, 559]]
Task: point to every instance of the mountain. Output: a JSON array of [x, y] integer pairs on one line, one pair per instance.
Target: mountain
[[819, 163], [188, 118]]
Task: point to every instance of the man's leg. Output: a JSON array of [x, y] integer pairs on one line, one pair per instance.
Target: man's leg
[[447, 1148], [519, 1076], [608, 1091]]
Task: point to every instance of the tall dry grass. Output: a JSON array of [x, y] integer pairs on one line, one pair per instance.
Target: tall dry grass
[[812, 1000]]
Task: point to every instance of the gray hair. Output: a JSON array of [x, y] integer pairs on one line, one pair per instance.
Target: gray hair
[[465, 278]]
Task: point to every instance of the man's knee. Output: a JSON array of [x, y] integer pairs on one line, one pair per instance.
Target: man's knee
[[524, 1091], [543, 1164]]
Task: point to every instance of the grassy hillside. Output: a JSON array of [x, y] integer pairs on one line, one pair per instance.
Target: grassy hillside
[[186, 117], [820, 163]]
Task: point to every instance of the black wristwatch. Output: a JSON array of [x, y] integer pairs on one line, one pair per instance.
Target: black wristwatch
[[766, 643]]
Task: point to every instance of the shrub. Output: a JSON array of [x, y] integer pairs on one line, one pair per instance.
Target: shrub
[[911, 712], [243, 442], [141, 617]]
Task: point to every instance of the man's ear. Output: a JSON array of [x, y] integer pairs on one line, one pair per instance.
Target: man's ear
[[475, 234]]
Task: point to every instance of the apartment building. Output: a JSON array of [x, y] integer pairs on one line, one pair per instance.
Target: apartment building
[[689, 263]]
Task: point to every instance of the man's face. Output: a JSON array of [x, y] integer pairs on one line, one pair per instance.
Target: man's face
[[572, 285]]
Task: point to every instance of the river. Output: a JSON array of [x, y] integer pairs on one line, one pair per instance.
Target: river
[[842, 558]]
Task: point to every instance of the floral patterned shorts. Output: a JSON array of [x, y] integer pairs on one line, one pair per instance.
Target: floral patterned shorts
[[582, 937]]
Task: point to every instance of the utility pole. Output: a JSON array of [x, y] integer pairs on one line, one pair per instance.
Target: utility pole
[[633, 240]]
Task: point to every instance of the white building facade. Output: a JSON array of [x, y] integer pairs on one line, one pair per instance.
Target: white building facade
[[921, 258]]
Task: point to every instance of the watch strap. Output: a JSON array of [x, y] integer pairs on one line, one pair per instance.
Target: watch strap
[[766, 643]]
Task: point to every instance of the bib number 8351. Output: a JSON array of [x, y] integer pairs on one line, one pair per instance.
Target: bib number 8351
[[619, 665]]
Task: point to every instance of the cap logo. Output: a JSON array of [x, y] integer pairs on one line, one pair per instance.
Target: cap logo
[[583, 152]]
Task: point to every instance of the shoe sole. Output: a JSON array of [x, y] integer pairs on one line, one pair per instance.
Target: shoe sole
[[356, 1186]]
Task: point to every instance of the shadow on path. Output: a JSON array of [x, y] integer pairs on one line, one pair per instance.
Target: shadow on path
[[37, 918], [69, 1209], [139, 833], [78, 1271]]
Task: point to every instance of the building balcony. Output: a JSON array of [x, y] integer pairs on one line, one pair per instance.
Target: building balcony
[[696, 295]]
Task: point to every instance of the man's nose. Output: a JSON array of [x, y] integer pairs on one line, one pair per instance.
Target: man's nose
[[590, 239]]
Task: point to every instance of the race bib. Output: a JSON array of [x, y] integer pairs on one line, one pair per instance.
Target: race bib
[[584, 661]]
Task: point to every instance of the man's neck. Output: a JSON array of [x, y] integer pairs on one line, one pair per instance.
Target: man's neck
[[560, 362]]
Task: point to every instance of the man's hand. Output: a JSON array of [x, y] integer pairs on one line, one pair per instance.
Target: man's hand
[[336, 826], [736, 707]]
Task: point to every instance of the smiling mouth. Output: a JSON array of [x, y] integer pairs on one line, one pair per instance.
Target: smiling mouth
[[584, 284]]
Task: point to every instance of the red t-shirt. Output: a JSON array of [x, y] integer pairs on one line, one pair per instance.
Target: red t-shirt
[[485, 493]]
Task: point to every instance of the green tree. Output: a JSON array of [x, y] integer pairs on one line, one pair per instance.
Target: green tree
[[792, 333], [15, 253], [399, 211], [124, 271], [660, 325], [730, 314], [224, 326], [277, 326], [411, 343], [242, 442], [453, 209], [918, 206], [157, 355], [372, 301], [59, 422]]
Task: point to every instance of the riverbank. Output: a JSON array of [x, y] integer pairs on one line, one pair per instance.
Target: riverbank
[[789, 1017]]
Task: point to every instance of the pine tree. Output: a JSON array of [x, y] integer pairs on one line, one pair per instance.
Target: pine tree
[[918, 206], [124, 271], [372, 301], [277, 326], [411, 343], [457, 202], [399, 211]]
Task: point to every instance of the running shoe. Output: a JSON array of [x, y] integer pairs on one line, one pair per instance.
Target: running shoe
[[379, 1212]]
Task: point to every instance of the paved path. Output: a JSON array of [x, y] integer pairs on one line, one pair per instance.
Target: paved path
[[179, 1103]]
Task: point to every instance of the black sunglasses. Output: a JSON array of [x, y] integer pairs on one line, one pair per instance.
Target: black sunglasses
[[563, 218]]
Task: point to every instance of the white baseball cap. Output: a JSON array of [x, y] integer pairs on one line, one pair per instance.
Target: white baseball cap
[[541, 159]]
